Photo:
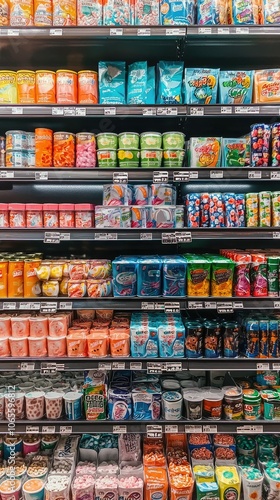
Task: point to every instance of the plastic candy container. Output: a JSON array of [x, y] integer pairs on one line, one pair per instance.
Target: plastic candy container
[[43, 147], [85, 150], [64, 13], [21, 12], [66, 215], [84, 215], [50, 211], [88, 85], [17, 215], [4, 215], [64, 149], [26, 87], [66, 87], [34, 215], [45, 87]]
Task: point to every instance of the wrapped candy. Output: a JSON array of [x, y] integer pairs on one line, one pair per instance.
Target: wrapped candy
[[77, 288]]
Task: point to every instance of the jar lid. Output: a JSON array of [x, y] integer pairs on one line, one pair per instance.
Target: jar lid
[[3, 206], [50, 206], [66, 206], [34, 206], [251, 394], [16, 206], [84, 206]]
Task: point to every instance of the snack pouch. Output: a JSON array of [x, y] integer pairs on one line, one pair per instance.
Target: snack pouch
[[170, 76], [201, 85], [244, 12], [198, 276], [151, 85], [117, 12], [147, 12], [171, 340], [234, 152], [204, 152], [143, 337], [111, 77], [146, 401], [125, 276], [137, 82], [267, 86], [221, 276], [228, 482], [149, 277], [174, 276], [212, 12], [236, 87], [174, 12], [207, 490], [271, 11]]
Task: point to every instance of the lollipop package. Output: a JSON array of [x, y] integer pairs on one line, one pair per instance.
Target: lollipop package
[[201, 85]]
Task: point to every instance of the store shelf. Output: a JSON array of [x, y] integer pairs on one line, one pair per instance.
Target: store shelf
[[229, 111], [153, 428]]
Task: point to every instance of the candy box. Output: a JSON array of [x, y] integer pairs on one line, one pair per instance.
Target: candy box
[[117, 195], [161, 217], [147, 12], [131, 487], [143, 339], [174, 276], [228, 480], [149, 277], [204, 152], [146, 402], [106, 487], [125, 276], [234, 152], [171, 341], [221, 276], [174, 12], [201, 85], [170, 76], [209, 490], [235, 87], [112, 217], [111, 78]]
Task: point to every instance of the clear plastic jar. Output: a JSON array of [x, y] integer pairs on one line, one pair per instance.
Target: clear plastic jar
[[66, 215], [34, 215], [4, 215], [84, 215], [17, 215], [50, 288], [51, 219]]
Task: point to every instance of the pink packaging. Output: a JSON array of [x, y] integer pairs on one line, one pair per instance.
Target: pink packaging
[[17, 215], [58, 326], [34, 405], [84, 215], [4, 347], [5, 326], [4, 215], [34, 215], [131, 487], [31, 447], [56, 347], [37, 347], [50, 214], [19, 347], [20, 326], [66, 215], [83, 487], [39, 326]]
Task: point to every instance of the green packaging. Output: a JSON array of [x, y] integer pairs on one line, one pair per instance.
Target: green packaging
[[264, 209], [207, 491], [198, 276], [273, 276]]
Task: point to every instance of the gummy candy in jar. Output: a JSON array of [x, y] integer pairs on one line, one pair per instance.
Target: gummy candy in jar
[[252, 209], [264, 209], [260, 142], [85, 150], [275, 205]]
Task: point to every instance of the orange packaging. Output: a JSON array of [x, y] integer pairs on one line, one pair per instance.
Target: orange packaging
[[19, 347], [64, 151], [20, 326], [39, 326], [21, 13], [15, 278], [66, 87], [58, 326], [26, 87], [4, 347], [42, 12], [181, 486], [5, 326], [97, 343], [56, 346], [37, 347], [31, 286], [3, 278], [43, 147], [4, 13], [45, 87], [87, 87], [76, 345], [156, 483], [64, 13], [119, 342]]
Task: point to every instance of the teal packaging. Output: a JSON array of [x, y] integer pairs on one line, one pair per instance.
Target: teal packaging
[[124, 276], [174, 12], [174, 276], [149, 277], [137, 82], [171, 340], [236, 87], [234, 152], [212, 12], [151, 86], [111, 78], [201, 85], [170, 77]]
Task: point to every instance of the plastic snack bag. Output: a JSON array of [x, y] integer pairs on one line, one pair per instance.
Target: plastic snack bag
[[201, 85], [111, 82], [174, 12], [170, 76], [245, 12], [213, 12], [147, 12], [235, 87], [117, 12], [137, 82], [271, 11]]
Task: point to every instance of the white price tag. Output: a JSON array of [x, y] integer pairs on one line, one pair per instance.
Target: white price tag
[[205, 31], [276, 235], [65, 236], [238, 305], [168, 239], [249, 429], [193, 174], [172, 307], [176, 32], [173, 367], [223, 31], [144, 32], [105, 366], [135, 365], [57, 111], [171, 429], [149, 111], [116, 31], [65, 429], [226, 110], [48, 307], [146, 236], [183, 236], [215, 174], [209, 429], [242, 31], [5, 174], [66, 306], [52, 237], [106, 236], [117, 365], [147, 306], [27, 367], [153, 368], [41, 176], [262, 366], [254, 175], [195, 305], [275, 175], [154, 431], [55, 32], [159, 306], [247, 110], [276, 305], [160, 177], [69, 111], [276, 366], [221, 309], [198, 111], [9, 306], [13, 32], [17, 111], [31, 429], [110, 111], [81, 111], [193, 429], [167, 111], [119, 429], [48, 429], [48, 368], [181, 176], [120, 177], [210, 305]]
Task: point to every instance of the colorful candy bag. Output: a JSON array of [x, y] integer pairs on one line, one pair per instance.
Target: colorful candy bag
[[212, 12], [244, 11], [95, 395], [235, 87], [271, 10], [147, 12], [137, 82], [146, 400], [125, 276], [149, 276], [89, 13], [174, 276], [117, 12], [221, 276], [111, 77], [204, 152], [234, 152], [267, 86], [201, 85], [170, 76], [198, 276], [173, 12]]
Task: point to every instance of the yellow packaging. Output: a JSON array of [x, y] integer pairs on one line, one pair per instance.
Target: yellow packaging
[[3, 279], [228, 482], [64, 13], [32, 287], [4, 13], [21, 13], [204, 473], [267, 86], [8, 87], [15, 278]]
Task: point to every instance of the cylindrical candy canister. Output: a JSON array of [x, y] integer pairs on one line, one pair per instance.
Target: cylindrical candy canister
[[64, 150], [259, 275], [260, 141], [275, 208], [43, 147], [64, 13], [42, 12], [8, 87], [85, 150], [212, 339], [252, 339], [193, 210], [230, 210], [231, 339], [21, 12], [66, 87], [194, 339], [26, 87], [217, 209], [242, 275], [275, 145], [32, 287], [87, 87], [240, 209], [3, 278], [15, 278], [204, 209], [45, 87], [264, 209], [252, 209], [2, 151], [273, 276], [180, 217]]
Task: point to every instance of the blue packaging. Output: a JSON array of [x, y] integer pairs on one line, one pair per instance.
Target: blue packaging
[[143, 337], [174, 276], [194, 339], [171, 340], [273, 338], [236, 87], [151, 86], [119, 404], [117, 13], [174, 12], [193, 210], [252, 339], [212, 12], [146, 12], [137, 82], [111, 79], [231, 219], [170, 76], [149, 277], [201, 85], [73, 405], [14, 449], [146, 402], [125, 276]]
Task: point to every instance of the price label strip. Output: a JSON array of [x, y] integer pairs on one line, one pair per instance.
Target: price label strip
[[154, 431], [160, 177], [119, 429], [120, 177], [153, 368]]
